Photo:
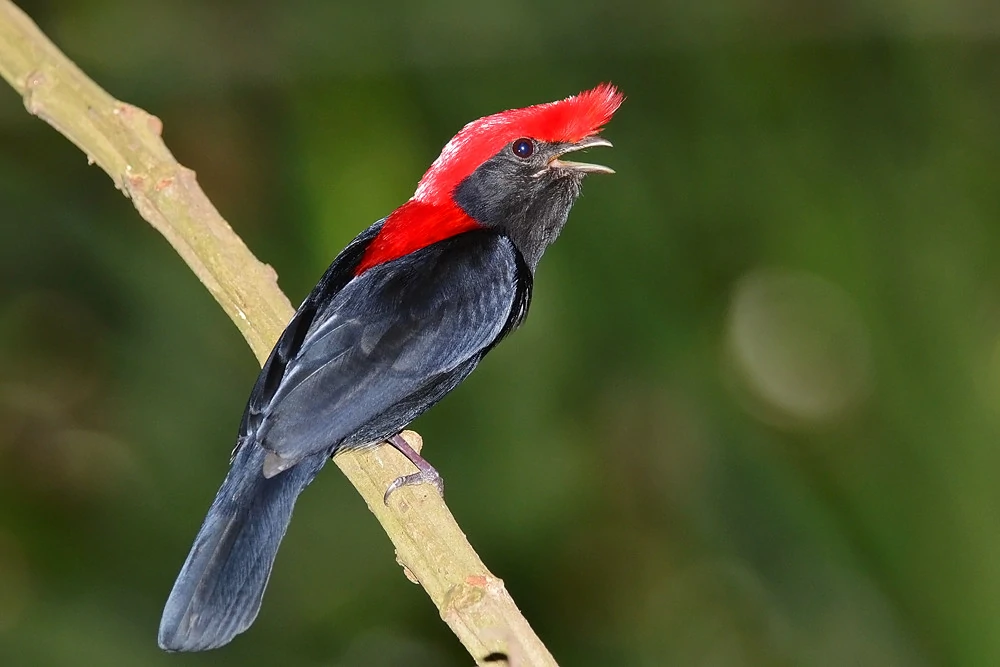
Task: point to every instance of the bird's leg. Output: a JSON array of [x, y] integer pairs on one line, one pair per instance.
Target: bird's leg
[[426, 474]]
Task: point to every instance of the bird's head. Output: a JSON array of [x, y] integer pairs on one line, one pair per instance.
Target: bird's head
[[506, 170]]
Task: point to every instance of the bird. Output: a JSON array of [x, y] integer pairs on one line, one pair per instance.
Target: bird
[[403, 314]]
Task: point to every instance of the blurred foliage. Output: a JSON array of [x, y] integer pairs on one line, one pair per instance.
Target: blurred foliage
[[752, 419]]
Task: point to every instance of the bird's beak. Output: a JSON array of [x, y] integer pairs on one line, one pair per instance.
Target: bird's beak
[[582, 167]]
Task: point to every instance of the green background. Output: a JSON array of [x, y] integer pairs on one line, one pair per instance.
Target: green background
[[751, 420]]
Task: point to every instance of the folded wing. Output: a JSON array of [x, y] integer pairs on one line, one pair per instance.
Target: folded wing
[[388, 345]]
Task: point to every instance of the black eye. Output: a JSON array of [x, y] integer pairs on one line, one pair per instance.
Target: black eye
[[523, 148]]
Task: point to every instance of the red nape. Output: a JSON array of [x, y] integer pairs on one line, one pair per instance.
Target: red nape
[[413, 226]]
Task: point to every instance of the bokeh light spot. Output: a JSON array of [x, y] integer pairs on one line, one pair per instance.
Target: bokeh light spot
[[799, 346]]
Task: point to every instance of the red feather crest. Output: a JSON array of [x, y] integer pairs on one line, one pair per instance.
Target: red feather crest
[[568, 120]]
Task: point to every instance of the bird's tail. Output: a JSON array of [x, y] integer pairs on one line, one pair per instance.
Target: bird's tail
[[218, 591]]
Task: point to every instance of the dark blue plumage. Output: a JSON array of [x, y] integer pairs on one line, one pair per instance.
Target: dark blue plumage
[[360, 360], [400, 318]]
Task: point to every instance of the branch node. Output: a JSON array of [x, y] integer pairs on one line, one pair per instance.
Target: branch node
[[34, 79], [413, 439], [460, 597], [155, 124], [406, 570], [32, 82]]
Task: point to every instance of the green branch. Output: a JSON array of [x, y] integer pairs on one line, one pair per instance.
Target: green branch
[[125, 142]]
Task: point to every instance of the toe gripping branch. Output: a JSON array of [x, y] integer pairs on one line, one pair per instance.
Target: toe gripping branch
[[426, 474]]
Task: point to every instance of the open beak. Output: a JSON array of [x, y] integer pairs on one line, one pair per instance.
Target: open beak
[[582, 167]]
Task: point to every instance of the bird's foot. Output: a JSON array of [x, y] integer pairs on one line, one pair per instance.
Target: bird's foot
[[426, 474], [423, 477]]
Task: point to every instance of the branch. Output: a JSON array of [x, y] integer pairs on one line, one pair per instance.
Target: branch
[[125, 142]]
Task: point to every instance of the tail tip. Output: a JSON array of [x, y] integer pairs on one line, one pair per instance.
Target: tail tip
[[172, 640]]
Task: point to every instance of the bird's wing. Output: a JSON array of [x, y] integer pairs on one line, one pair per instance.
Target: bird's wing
[[380, 351], [339, 274]]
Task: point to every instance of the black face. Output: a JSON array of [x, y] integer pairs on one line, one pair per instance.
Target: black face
[[520, 193]]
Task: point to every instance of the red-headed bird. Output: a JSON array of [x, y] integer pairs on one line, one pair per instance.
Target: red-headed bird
[[403, 315]]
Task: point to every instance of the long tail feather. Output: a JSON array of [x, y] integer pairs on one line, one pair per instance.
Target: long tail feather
[[218, 592]]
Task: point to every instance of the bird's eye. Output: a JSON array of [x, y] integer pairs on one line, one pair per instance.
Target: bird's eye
[[523, 148]]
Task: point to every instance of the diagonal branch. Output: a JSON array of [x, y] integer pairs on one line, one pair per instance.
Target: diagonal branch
[[125, 142]]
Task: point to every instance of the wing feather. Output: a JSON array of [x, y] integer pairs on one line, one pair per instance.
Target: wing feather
[[389, 335]]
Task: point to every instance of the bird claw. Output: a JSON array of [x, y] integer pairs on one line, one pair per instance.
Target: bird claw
[[426, 474], [430, 476]]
